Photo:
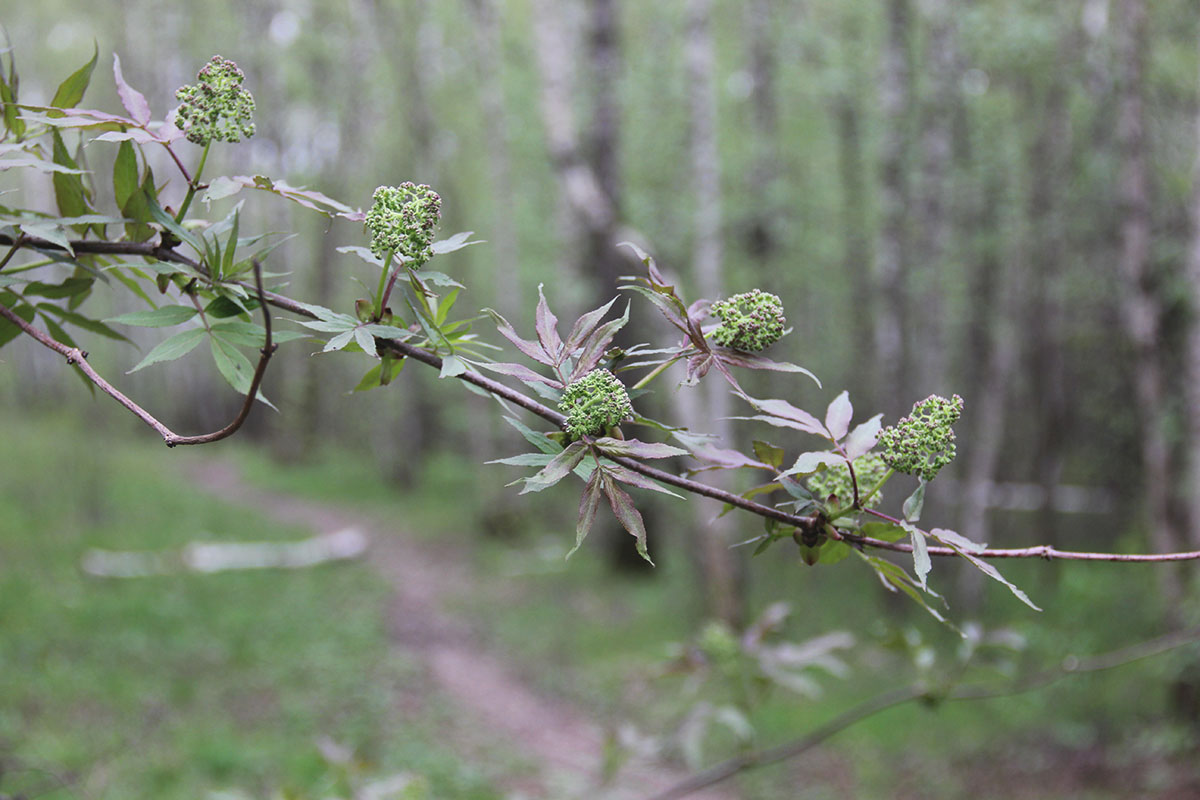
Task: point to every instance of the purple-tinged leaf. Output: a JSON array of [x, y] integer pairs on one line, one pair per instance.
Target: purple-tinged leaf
[[546, 325], [697, 367], [584, 326], [529, 348], [671, 310], [594, 347], [808, 463], [132, 135], [588, 504], [624, 475], [557, 469], [755, 361], [838, 415], [629, 517], [636, 449], [726, 459], [308, 198], [956, 540], [782, 409], [91, 116], [521, 373], [133, 100], [863, 437]]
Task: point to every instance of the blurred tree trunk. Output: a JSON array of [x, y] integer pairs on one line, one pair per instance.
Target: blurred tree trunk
[[933, 223], [1140, 307], [1045, 318], [504, 267], [1192, 358], [891, 256], [706, 407], [855, 221], [761, 229], [506, 283]]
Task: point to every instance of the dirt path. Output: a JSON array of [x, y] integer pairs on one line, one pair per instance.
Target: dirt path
[[547, 731]]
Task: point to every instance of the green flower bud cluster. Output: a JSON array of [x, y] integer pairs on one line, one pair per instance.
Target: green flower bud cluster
[[595, 403], [401, 220], [923, 442], [750, 322], [217, 107], [869, 470]]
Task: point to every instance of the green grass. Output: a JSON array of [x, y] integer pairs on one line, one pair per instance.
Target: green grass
[[177, 686], [602, 640], [172, 687]]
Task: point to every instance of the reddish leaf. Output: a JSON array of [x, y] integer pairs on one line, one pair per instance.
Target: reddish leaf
[[784, 410], [594, 347], [755, 361], [133, 100], [588, 504], [629, 517], [546, 325], [521, 372], [636, 449], [529, 348], [584, 326], [632, 478], [726, 459], [838, 415], [863, 437]]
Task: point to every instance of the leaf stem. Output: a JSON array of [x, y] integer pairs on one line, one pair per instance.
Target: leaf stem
[[193, 184], [660, 369], [381, 292]]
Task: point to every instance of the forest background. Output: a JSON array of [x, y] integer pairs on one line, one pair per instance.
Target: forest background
[[990, 198]]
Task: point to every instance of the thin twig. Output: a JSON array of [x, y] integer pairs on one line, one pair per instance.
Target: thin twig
[[163, 253], [12, 251], [78, 358], [1070, 665]]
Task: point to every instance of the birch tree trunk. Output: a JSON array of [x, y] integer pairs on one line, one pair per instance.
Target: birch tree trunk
[[706, 407], [1140, 308], [506, 284]]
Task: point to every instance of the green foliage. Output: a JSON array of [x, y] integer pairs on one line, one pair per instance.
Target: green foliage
[[835, 484], [189, 685], [217, 107]]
